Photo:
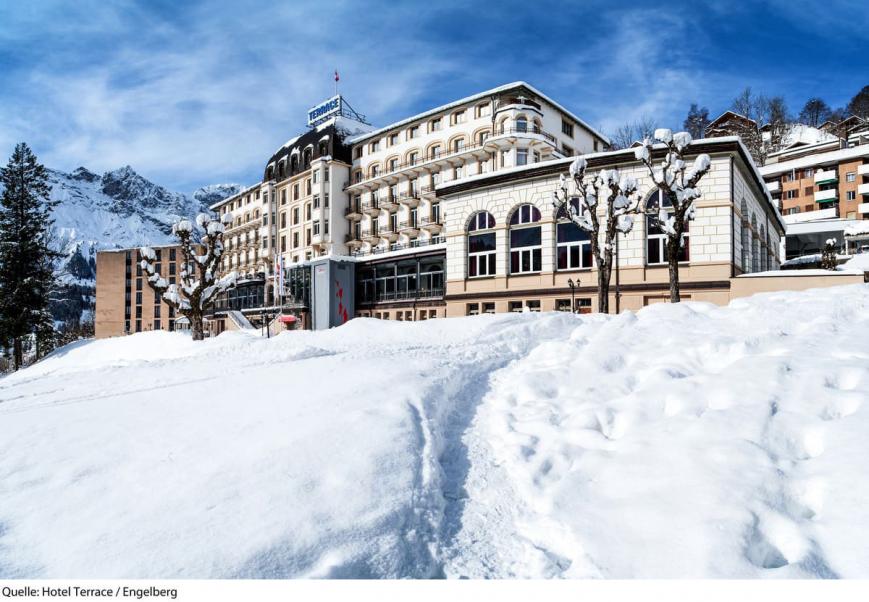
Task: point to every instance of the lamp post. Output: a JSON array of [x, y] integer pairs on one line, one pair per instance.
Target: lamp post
[[572, 286]]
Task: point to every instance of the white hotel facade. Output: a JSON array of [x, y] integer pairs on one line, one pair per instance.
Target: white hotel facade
[[448, 213]]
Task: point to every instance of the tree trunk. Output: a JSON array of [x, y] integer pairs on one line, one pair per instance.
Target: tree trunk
[[603, 290], [196, 327], [18, 352], [674, 246]]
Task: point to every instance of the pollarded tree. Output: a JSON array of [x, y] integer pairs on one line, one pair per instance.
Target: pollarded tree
[[581, 206], [200, 273], [677, 183]]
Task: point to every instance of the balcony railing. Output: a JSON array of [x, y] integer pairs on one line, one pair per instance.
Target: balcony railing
[[826, 176], [824, 196], [529, 129]]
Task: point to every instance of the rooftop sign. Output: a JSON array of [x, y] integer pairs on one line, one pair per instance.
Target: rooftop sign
[[324, 110]]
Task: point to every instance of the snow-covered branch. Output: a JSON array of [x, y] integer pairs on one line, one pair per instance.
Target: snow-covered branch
[[200, 279]]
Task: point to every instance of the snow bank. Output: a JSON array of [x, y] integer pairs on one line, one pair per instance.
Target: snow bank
[[681, 441]]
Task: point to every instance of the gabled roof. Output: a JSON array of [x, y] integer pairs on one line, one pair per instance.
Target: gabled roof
[[728, 116], [472, 98]]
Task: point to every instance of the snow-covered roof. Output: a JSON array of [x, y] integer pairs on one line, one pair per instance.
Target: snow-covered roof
[[857, 229], [835, 156], [235, 196], [472, 98]]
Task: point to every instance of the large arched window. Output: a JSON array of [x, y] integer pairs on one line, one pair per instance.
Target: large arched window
[[481, 245], [763, 255], [573, 244], [306, 158], [656, 238], [526, 252], [755, 246], [744, 234], [521, 124]]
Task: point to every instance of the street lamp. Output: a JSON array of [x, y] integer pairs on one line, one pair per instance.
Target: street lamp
[[572, 286]]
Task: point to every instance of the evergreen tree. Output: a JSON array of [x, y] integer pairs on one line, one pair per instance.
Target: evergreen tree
[[859, 105], [696, 121], [26, 259], [815, 112]]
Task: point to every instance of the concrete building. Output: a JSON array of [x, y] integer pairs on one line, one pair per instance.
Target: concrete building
[[125, 304]]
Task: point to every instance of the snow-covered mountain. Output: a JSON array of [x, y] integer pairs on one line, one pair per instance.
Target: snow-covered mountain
[[117, 209]]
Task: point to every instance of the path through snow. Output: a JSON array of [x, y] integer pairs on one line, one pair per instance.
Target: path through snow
[[682, 441]]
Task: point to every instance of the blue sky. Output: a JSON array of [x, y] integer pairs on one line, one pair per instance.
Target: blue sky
[[191, 93]]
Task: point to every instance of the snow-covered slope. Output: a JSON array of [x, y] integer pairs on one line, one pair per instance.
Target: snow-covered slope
[[118, 209], [682, 441]]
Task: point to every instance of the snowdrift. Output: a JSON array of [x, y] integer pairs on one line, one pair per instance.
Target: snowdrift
[[681, 441]]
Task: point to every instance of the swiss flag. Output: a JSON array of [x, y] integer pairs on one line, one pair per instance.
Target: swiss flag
[[336, 75]]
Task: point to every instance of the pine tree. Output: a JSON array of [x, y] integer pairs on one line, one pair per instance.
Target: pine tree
[[696, 121], [26, 259]]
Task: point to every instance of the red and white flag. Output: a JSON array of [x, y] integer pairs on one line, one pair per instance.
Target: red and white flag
[[336, 75]]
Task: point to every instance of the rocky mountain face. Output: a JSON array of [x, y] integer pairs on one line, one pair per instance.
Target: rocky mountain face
[[117, 209]]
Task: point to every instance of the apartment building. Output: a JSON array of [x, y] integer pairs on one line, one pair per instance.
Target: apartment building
[[821, 181], [125, 304], [395, 218], [506, 251]]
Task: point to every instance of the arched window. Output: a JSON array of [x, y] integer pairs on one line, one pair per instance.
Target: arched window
[[573, 244], [431, 277], [282, 166], [526, 252], [763, 255], [755, 247], [306, 158], [269, 173], [656, 238], [481, 245], [773, 261], [324, 148], [458, 145], [435, 151], [521, 124], [744, 238]]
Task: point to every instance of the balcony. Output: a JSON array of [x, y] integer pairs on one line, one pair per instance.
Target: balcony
[[408, 228], [826, 176], [351, 240], [826, 196], [863, 208], [388, 233], [371, 236], [774, 187], [353, 212], [388, 202], [371, 207], [863, 189], [863, 170], [430, 225], [409, 199]]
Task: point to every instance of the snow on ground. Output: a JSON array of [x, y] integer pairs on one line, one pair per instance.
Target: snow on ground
[[680, 441]]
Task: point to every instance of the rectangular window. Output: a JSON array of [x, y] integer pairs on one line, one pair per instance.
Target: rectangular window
[[284, 196], [525, 250], [850, 195], [515, 306], [566, 150], [850, 176], [283, 219], [566, 128], [489, 308], [308, 212], [521, 156], [472, 309], [533, 305], [481, 255], [283, 244], [295, 192], [573, 247], [295, 216], [295, 240], [316, 201]]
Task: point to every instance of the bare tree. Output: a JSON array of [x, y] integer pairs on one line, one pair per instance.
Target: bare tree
[[678, 185], [200, 281], [633, 131], [815, 112], [581, 205], [768, 126]]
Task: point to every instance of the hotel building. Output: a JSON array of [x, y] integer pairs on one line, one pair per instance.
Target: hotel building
[[449, 213], [396, 220]]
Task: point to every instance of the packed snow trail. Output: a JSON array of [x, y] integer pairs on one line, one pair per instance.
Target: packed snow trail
[[681, 441]]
